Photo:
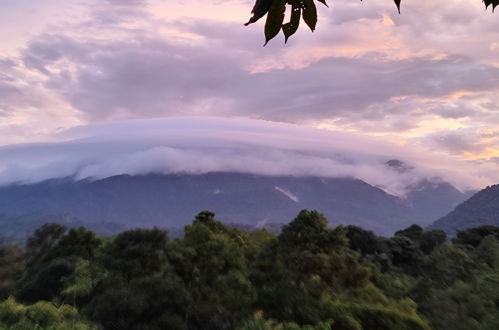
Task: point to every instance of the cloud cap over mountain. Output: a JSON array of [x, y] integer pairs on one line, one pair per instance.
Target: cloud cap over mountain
[[210, 144], [427, 79]]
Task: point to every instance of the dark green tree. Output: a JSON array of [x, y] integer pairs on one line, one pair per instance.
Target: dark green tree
[[44, 281], [137, 253], [488, 251], [150, 302], [365, 241], [78, 242], [11, 268], [52, 256], [431, 239], [406, 254], [473, 236], [413, 232], [42, 241], [212, 260], [308, 265]]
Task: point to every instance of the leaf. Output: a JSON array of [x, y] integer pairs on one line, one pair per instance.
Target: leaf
[[397, 2], [290, 28], [494, 4], [309, 13], [260, 8], [276, 9], [323, 2], [275, 17]]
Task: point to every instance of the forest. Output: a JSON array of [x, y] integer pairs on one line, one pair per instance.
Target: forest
[[308, 276]]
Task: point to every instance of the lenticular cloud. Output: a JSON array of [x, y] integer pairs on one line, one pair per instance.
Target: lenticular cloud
[[200, 145]]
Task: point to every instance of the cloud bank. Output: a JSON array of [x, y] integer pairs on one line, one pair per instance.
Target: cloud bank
[[209, 144], [427, 79]]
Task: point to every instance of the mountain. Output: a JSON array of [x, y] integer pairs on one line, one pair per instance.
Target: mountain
[[481, 209], [172, 201], [432, 200]]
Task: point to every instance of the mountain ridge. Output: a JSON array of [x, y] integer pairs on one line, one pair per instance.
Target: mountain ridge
[[172, 200], [479, 210]]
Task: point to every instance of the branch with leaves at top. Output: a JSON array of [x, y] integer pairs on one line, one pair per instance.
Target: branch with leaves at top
[[306, 9]]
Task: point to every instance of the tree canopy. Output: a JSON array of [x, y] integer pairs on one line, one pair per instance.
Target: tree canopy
[[299, 9], [309, 276]]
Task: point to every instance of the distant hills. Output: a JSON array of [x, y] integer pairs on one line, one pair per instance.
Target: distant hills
[[479, 210], [171, 201]]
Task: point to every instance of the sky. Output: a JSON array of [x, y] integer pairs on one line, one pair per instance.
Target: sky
[[422, 86]]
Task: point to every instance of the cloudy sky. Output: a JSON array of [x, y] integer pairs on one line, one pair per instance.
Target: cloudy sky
[[426, 81]]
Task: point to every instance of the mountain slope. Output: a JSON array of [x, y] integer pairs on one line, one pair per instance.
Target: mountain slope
[[173, 200], [481, 209], [433, 200]]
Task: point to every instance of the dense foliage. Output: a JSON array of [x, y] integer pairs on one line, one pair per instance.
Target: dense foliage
[[309, 276], [299, 9]]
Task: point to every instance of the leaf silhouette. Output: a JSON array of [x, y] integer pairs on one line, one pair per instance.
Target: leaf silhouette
[[306, 9], [397, 3], [309, 13], [260, 8], [275, 18], [323, 2], [292, 26], [494, 4]]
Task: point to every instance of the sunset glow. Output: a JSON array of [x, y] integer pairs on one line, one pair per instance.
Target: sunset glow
[[424, 81]]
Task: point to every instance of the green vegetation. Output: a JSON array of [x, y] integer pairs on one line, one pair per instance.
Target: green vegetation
[[41, 315], [309, 276]]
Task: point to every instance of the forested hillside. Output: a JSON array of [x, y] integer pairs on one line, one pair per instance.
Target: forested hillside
[[169, 201], [480, 210], [309, 276]]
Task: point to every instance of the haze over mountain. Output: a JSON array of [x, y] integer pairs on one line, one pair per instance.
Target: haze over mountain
[[204, 145], [162, 172]]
